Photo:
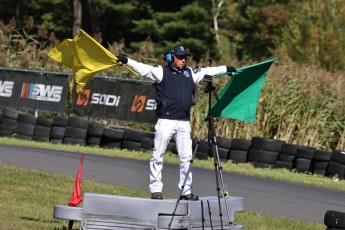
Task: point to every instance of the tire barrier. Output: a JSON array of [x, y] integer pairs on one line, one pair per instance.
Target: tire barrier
[[95, 132], [58, 129], [258, 151], [334, 220], [76, 131], [264, 152], [8, 122], [239, 150], [42, 129], [25, 126]]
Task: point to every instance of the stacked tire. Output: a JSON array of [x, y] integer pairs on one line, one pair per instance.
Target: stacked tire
[[58, 129], [112, 137], [224, 146], [76, 131], [287, 156], [304, 159], [321, 160], [203, 149], [264, 152], [147, 143], [132, 139], [8, 122], [25, 126], [94, 134], [239, 150], [42, 129], [334, 220], [336, 166]]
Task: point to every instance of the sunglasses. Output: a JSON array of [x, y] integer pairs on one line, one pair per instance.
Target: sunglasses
[[180, 57]]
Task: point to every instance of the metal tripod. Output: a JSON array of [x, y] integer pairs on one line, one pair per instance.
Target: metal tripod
[[213, 146]]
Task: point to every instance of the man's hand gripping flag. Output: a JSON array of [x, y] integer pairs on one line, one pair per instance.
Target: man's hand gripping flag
[[85, 56]]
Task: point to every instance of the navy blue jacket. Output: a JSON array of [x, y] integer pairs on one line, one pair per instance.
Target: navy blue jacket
[[174, 94]]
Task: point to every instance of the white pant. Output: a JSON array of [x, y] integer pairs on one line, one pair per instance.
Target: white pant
[[165, 130]]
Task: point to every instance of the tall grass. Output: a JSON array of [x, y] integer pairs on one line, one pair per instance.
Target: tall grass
[[301, 104]]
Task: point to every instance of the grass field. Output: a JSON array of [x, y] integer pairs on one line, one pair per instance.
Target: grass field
[[27, 199]]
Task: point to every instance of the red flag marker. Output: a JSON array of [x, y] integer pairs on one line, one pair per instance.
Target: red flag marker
[[76, 197]]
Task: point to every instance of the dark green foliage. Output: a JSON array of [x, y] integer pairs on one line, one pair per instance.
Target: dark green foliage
[[309, 31]]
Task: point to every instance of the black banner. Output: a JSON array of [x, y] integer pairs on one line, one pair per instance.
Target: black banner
[[33, 90], [112, 98]]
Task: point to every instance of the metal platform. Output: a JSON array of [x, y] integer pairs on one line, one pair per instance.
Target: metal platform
[[101, 211]]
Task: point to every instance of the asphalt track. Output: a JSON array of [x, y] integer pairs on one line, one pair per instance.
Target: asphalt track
[[276, 198]]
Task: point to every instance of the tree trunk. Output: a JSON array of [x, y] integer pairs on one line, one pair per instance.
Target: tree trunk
[[215, 18], [77, 17]]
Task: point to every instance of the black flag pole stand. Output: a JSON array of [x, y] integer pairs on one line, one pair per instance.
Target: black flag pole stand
[[213, 147]]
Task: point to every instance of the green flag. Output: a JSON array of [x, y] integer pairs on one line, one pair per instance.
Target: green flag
[[240, 96]]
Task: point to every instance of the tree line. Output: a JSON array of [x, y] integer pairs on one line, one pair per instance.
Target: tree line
[[303, 97], [309, 31]]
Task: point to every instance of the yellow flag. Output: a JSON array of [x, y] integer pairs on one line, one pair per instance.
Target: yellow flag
[[85, 56]]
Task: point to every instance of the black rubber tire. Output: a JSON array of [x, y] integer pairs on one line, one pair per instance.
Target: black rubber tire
[[60, 121], [201, 155], [8, 124], [94, 141], [95, 129], [27, 118], [320, 165], [75, 132], [335, 168], [305, 152], [57, 132], [240, 144], [223, 153], [171, 147], [44, 121], [24, 128], [289, 149], [224, 142], [334, 219], [287, 158], [320, 155], [113, 133], [303, 165], [11, 113], [262, 156], [78, 122], [203, 147], [42, 131], [238, 156], [267, 144], [338, 156], [147, 143], [6, 133], [136, 135], [131, 145]]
